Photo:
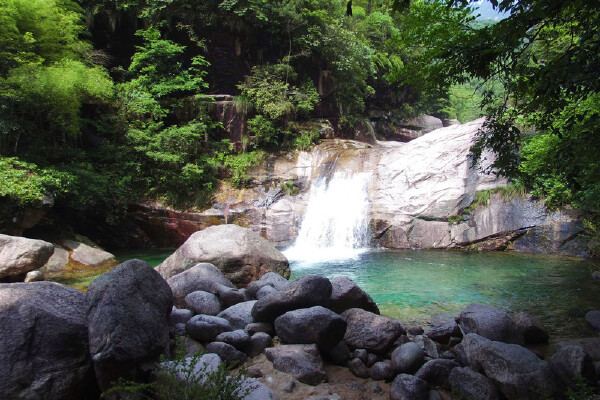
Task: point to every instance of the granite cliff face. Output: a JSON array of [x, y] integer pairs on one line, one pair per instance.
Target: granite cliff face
[[421, 195]]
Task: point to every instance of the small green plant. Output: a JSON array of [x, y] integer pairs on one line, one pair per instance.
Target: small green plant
[[239, 164], [289, 187], [582, 391]]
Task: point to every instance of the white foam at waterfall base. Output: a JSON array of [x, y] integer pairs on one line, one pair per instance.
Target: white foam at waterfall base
[[335, 225]]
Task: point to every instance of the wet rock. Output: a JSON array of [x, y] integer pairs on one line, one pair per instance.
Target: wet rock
[[531, 328], [43, 337], [436, 372], [358, 368], [593, 319], [489, 322], [258, 343], [408, 358], [571, 364], [271, 279], [365, 330], [308, 291], [408, 387], [345, 295], [242, 254], [442, 333], [239, 315], [317, 325], [20, 255], [128, 321], [255, 327], [303, 362], [238, 339], [338, 355], [203, 303], [518, 372], [202, 276], [227, 352], [205, 328], [180, 316], [382, 371], [472, 385]]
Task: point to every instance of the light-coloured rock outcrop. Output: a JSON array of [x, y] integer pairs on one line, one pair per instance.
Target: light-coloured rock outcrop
[[20, 255]]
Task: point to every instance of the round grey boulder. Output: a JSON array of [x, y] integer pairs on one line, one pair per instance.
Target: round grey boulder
[[382, 371], [227, 353], [270, 279], [180, 316], [238, 339], [408, 387], [408, 358], [489, 322], [571, 364], [302, 361], [346, 294], [205, 277], [258, 343], [317, 325], [372, 332], [205, 328], [239, 315], [203, 303], [358, 368], [472, 385]]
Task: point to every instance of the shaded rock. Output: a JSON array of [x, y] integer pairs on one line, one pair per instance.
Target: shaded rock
[[89, 256], [472, 385], [361, 354], [180, 316], [201, 276], [254, 372], [239, 315], [571, 364], [428, 346], [408, 358], [590, 345], [265, 290], [374, 388], [178, 329], [203, 303], [43, 337], [489, 322], [303, 362], [205, 328], [382, 371], [288, 387], [272, 279], [308, 291], [34, 276], [243, 255], [128, 321], [408, 387], [593, 319], [346, 294], [596, 275], [442, 333], [238, 339], [338, 355], [255, 327], [258, 343], [358, 368], [227, 352], [19, 255], [317, 325], [372, 359], [231, 296], [436, 372], [415, 330], [365, 330], [531, 328], [518, 372], [434, 395]]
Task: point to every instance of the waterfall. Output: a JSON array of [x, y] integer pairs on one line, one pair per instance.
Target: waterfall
[[335, 223]]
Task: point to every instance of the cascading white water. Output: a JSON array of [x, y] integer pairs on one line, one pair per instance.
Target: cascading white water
[[335, 223]]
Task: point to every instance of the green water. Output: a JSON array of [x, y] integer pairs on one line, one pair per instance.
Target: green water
[[418, 287]]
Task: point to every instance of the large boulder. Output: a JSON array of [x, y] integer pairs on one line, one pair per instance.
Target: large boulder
[[202, 302], [472, 385], [239, 315], [303, 362], [19, 255], [128, 321], [489, 322], [242, 255], [372, 332], [572, 364], [517, 371], [346, 294], [408, 358], [317, 325], [531, 328], [203, 276], [205, 328], [308, 291], [43, 340], [408, 387]]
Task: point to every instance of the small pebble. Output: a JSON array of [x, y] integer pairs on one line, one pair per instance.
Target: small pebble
[[289, 386]]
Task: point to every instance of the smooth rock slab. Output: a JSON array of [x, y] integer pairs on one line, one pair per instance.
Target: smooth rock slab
[[346, 294], [128, 311], [317, 325], [44, 350], [408, 387], [518, 372], [365, 330], [202, 276], [303, 362], [308, 291], [239, 315], [472, 385], [205, 328], [19, 255], [242, 255], [489, 322]]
